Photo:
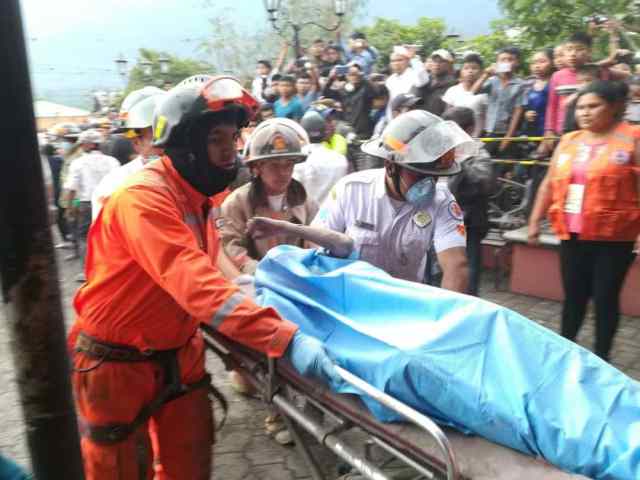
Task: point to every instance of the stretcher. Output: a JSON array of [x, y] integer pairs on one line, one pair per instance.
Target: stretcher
[[417, 448]]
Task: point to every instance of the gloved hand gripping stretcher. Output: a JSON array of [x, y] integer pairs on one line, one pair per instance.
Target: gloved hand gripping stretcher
[[418, 445], [464, 362]]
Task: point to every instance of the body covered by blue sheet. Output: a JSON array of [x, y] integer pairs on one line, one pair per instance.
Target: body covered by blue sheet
[[465, 362]]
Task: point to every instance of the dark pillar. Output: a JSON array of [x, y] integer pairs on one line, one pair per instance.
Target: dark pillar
[[28, 270]]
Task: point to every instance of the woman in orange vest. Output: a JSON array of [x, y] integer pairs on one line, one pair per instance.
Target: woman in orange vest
[[591, 196]]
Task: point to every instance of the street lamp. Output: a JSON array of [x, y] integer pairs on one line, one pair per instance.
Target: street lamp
[[147, 67], [121, 64], [164, 65], [273, 8], [272, 5]]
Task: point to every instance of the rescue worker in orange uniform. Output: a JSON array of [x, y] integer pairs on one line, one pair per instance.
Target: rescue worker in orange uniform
[[592, 196], [138, 357]]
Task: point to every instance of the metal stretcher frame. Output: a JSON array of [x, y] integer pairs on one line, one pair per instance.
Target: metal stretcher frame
[[269, 378], [423, 446]]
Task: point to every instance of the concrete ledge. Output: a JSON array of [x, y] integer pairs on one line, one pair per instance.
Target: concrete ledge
[[535, 271], [520, 236]]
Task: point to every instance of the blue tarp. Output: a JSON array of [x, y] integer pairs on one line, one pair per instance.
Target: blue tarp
[[9, 470], [466, 362]]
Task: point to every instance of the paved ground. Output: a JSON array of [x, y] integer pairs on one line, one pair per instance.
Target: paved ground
[[243, 451]]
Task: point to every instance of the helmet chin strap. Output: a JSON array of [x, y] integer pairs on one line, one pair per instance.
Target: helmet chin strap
[[394, 174]]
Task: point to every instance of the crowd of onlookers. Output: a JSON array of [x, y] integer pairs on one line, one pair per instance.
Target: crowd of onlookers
[[507, 101], [339, 95]]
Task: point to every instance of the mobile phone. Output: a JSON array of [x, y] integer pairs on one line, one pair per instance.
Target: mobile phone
[[342, 70]]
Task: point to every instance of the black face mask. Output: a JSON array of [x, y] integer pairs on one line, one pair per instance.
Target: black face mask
[[193, 163]]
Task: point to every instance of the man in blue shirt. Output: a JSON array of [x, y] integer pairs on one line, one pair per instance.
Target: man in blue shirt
[[359, 51], [288, 105]]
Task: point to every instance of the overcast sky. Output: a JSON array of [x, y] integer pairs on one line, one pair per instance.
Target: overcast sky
[[73, 43]]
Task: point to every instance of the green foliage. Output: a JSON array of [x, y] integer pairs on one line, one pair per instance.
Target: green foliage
[[489, 44], [179, 69], [501, 35], [549, 22], [384, 34]]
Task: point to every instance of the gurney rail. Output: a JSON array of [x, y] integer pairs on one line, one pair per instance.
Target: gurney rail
[[410, 414], [268, 377]]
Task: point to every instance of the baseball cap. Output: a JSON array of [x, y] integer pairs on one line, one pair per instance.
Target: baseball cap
[[443, 54], [404, 100]]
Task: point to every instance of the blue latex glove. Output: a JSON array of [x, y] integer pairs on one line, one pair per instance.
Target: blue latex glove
[[11, 471], [309, 358]]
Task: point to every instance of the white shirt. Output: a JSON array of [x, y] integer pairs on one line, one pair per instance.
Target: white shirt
[[457, 96], [276, 202], [86, 172], [256, 86], [395, 238], [399, 83], [320, 171], [111, 182], [47, 179]]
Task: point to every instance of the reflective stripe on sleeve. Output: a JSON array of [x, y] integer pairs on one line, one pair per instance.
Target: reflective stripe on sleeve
[[227, 307], [192, 219]]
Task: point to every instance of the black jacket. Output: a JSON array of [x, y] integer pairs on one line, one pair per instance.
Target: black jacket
[[356, 106], [431, 94], [472, 188]]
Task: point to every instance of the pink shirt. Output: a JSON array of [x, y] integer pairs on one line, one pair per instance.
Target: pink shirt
[[556, 105], [579, 168]]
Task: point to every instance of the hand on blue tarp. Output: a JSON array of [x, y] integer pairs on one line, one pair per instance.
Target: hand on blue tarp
[[309, 358]]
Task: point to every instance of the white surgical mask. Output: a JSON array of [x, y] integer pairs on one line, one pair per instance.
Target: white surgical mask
[[503, 67]]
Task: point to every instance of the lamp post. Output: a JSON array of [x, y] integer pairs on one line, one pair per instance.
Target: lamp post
[[164, 65], [147, 67], [274, 11], [121, 65]]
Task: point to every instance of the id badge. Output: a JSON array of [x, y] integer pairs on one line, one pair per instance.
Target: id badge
[[574, 199]]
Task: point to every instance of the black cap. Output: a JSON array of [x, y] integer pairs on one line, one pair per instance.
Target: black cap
[[404, 100]]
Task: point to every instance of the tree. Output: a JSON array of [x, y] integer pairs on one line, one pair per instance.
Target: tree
[[384, 34], [549, 22], [501, 35], [235, 48], [488, 44], [179, 69]]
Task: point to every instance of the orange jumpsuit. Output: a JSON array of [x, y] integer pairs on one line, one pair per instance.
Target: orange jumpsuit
[[151, 280]]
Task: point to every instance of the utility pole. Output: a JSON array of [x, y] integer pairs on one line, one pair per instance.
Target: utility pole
[[28, 271]]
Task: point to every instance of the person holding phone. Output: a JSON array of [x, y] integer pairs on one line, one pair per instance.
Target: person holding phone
[[361, 52], [577, 52], [440, 80], [356, 97]]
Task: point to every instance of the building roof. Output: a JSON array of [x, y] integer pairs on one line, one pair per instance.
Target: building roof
[[49, 109]]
